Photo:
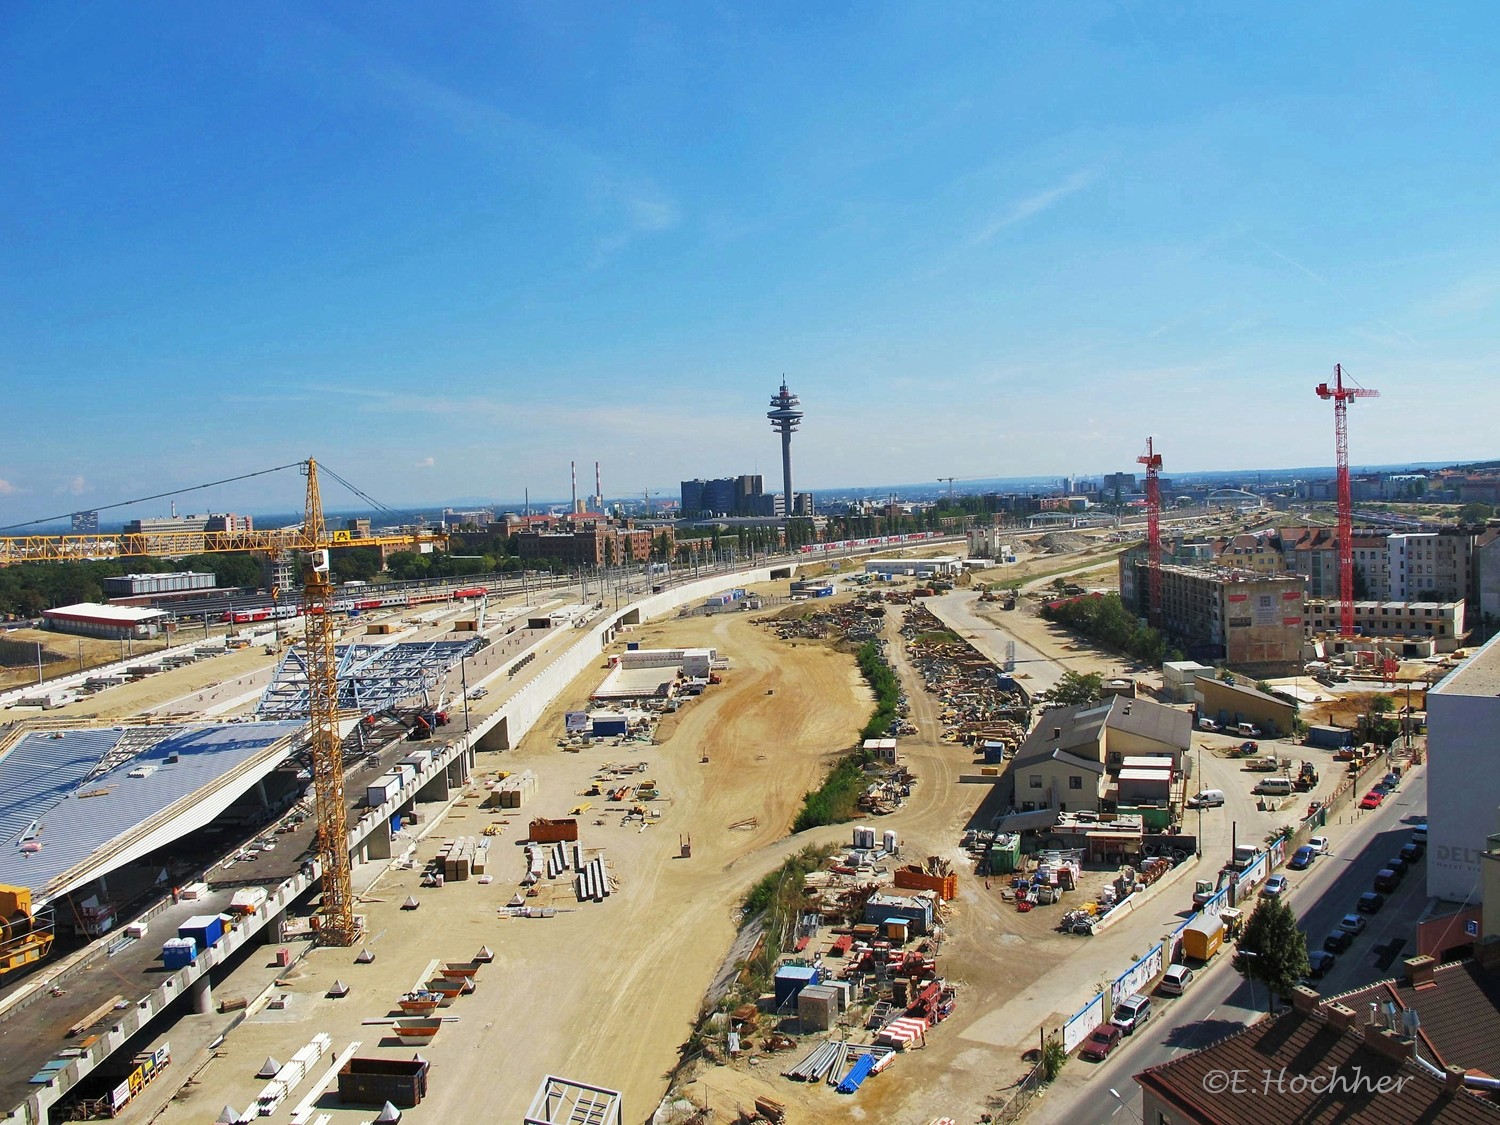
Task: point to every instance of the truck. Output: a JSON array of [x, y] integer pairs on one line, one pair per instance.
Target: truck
[[1202, 937]]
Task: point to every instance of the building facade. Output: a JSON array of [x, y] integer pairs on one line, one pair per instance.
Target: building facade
[[596, 545], [134, 585], [1444, 622], [1463, 783], [1251, 621]]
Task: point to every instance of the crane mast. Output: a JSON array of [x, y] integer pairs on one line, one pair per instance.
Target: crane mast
[[1152, 460], [337, 925], [1341, 396]]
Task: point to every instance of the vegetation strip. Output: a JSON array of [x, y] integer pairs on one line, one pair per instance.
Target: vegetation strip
[[836, 800]]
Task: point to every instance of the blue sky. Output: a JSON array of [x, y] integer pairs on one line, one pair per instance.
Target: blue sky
[[446, 247]]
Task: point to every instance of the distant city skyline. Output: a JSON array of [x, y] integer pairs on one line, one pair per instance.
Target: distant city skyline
[[447, 249]]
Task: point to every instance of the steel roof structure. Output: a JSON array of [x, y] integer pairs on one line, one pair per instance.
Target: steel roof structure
[[371, 677], [77, 804]]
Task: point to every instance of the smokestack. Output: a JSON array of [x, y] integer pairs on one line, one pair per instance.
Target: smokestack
[[573, 474], [598, 487]]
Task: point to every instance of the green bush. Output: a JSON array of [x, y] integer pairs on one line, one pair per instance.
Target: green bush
[[1105, 619]]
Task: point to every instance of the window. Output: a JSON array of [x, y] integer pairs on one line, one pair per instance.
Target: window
[[1074, 781], [1035, 781]]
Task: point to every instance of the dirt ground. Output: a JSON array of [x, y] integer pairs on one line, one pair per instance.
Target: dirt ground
[[604, 992], [91, 651]]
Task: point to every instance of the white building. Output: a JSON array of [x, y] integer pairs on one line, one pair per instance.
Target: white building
[[1463, 774], [1429, 566], [112, 622], [946, 565]]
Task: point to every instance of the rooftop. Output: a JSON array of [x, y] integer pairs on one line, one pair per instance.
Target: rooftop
[[110, 614], [1275, 1050], [1479, 675], [67, 796]]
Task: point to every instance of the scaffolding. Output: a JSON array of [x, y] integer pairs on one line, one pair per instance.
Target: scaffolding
[[371, 677]]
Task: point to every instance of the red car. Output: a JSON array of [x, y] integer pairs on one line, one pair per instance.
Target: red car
[[1101, 1041], [1372, 799]]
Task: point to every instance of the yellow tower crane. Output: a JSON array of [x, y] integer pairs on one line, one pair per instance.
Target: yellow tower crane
[[336, 923]]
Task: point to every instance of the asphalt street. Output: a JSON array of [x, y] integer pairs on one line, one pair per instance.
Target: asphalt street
[[1219, 1001]]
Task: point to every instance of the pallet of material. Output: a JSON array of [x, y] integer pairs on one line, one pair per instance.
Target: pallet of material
[[95, 1016]]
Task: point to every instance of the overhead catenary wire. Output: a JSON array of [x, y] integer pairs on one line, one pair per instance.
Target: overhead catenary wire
[[173, 492]]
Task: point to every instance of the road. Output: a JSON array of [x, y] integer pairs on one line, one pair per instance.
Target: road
[[1219, 1001]]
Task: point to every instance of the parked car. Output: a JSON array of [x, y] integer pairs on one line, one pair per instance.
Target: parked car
[[1338, 941], [1208, 725], [1319, 844], [1302, 858], [1419, 834], [1372, 799], [1319, 961], [1398, 865], [1370, 902], [1276, 887], [1391, 781], [1387, 880], [1132, 1012], [1175, 980], [1352, 924], [1100, 1042], [1207, 799], [1412, 852]]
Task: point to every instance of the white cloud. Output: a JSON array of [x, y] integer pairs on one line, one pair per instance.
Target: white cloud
[[7, 488], [1033, 205], [424, 463], [75, 486]]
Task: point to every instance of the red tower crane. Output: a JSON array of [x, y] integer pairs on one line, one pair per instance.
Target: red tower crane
[[1341, 396], [1152, 460]]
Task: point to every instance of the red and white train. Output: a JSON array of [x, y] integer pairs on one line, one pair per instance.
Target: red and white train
[[396, 599]]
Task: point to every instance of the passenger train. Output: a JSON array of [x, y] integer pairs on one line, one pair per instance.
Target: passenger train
[[397, 599]]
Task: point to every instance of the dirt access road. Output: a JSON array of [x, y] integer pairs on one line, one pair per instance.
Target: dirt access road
[[604, 992]]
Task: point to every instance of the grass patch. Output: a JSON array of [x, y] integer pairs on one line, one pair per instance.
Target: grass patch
[[837, 799], [938, 637]]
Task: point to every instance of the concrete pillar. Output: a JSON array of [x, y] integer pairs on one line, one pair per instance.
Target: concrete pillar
[[436, 789], [274, 922], [378, 846], [202, 992]]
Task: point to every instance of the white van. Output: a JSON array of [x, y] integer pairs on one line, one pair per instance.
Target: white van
[[1274, 787], [1208, 799], [1248, 730]]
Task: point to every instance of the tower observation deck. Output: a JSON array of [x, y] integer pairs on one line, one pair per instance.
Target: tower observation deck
[[785, 418]]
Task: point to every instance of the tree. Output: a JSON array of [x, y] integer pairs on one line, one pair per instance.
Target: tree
[[1272, 949], [1078, 687], [1475, 512]]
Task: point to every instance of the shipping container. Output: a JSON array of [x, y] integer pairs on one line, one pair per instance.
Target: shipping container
[[205, 929], [381, 790], [791, 980]]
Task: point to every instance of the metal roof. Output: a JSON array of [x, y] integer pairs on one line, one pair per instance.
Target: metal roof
[[58, 818], [109, 614], [371, 677]]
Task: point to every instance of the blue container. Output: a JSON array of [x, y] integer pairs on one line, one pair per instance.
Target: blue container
[[610, 728], [791, 980], [632, 646], [205, 929]]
